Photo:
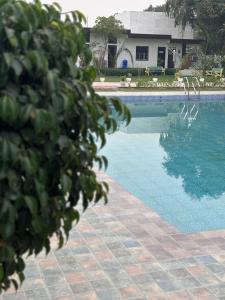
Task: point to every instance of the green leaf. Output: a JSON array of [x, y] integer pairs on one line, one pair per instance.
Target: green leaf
[[2, 273], [66, 183], [32, 205]]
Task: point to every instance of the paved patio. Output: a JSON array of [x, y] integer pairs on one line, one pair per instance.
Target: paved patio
[[126, 251]]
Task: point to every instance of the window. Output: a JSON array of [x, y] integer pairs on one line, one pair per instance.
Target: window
[[141, 53]]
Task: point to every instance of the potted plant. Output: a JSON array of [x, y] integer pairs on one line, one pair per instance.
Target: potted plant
[[129, 78], [102, 78], [123, 81]]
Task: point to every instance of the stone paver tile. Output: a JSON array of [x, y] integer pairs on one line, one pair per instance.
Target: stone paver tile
[[80, 250], [68, 264], [217, 290], [206, 259], [36, 294], [216, 268], [202, 294], [100, 274], [102, 284], [54, 280], [75, 277], [104, 255], [133, 270], [14, 296], [59, 291], [183, 295], [81, 288], [151, 289], [142, 278], [180, 273], [131, 291], [88, 296], [131, 244], [188, 283], [108, 294], [32, 270], [33, 283]]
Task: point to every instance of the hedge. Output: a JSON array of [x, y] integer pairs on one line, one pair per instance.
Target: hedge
[[133, 71]]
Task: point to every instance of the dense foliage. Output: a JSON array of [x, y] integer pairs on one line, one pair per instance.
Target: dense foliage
[[157, 8], [51, 122], [207, 17]]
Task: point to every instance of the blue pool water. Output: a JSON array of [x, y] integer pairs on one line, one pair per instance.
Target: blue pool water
[[172, 157]]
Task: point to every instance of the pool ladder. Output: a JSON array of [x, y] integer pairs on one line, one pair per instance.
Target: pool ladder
[[189, 114], [195, 84]]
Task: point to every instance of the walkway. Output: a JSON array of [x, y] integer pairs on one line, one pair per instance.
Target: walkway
[[126, 251]]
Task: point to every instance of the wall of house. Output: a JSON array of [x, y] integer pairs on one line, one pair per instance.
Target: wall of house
[[123, 42], [153, 23], [153, 45]]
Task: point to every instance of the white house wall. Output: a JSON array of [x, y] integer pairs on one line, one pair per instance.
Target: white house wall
[[153, 45], [139, 22]]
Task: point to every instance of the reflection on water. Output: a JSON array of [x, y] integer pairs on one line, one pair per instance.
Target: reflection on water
[[172, 156], [197, 154]]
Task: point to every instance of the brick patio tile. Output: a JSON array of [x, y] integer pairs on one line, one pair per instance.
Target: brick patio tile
[[33, 283], [108, 294], [14, 296], [151, 267], [127, 260], [181, 253], [88, 296], [206, 259], [187, 283], [92, 275], [133, 270], [31, 270], [160, 253], [81, 288], [142, 278], [104, 255], [216, 268], [75, 277], [54, 280], [40, 294], [179, 296], [202, 294], [102, 284], [69, 264], [217, 290], [59, 291], [120, 252], [122, 281], [48, 263], [151, 289], [51, 271], [197, 270], [131, 244], [180, 273], [130, 292], [80, 250]]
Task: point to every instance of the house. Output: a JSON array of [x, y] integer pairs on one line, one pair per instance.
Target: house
[[151, 39]]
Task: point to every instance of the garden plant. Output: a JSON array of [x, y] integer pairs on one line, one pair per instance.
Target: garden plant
[[52, 124]]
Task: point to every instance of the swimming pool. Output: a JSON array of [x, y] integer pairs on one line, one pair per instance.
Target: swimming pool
[[172, 157]]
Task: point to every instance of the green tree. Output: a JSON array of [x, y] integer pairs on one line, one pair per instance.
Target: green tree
[[207, 17], [157, 8], [52, 124], [106, 27]]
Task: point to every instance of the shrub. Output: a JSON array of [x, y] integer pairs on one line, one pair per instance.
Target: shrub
[[50, 122]]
